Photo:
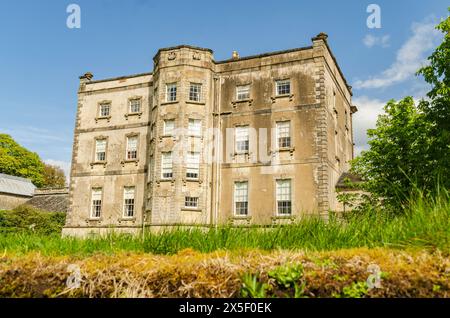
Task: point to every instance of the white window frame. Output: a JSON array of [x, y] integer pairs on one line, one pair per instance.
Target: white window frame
[[283, 195], [194, 127], [167, 131], [191, 202], [243, 92], [242, 137], [130, 150], [96, 203], [171, 92], [129, 201], [100, 110], [195, 92], [166, 165], [134, 102], [193, 165], [98, 151], [240, 195], [280, 87], [283, 132]]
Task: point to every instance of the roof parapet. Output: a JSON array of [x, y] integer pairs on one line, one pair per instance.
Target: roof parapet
[[183, 46]]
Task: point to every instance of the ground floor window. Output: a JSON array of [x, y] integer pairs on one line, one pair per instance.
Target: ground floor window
[[284, 204], [241, 198], [191, 202], [128, 204], [96, 207]]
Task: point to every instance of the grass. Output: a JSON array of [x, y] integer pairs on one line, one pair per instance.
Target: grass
[[425, 223], [312, 258]]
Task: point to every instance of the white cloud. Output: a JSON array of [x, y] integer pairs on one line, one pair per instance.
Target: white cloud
[[65, 166], [370, 40], [410, 57], [32, 135], [365, 118]]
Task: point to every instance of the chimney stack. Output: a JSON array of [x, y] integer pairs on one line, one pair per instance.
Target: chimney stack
[[87, 76], [321, 36]]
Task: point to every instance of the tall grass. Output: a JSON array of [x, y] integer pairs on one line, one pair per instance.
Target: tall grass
[[425, 223]]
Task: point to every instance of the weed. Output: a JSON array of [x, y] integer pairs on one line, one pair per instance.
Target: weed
[[252, 287], [355, 290], [288, 275]]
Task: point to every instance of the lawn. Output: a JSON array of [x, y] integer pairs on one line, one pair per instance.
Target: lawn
[[424, 224], [408, 253]]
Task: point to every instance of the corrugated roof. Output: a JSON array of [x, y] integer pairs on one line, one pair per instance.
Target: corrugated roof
[[16, 185]]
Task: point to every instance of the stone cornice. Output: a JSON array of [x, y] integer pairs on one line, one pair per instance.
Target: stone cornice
[[115, 127]]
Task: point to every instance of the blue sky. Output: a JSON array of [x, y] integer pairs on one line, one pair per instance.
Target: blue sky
[[41, 59]]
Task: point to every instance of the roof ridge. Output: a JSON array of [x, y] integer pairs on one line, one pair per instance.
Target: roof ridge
[[8, 176]]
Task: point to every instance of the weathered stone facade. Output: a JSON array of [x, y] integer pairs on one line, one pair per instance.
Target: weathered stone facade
[[241, 178]]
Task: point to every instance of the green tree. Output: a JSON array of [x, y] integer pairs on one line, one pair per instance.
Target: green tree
[[410, 146], [54, 176], [18, 161], [437, 108], [398, 158]]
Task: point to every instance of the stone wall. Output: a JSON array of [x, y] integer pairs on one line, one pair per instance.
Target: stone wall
[[52, 200], [11, 201]]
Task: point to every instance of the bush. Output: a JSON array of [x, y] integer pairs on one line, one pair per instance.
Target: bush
[[30, 220]]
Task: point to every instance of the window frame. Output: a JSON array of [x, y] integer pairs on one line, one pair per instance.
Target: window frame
[[172, 132], [192, 92], [277, 195], [195, 133], [100, 206], [163, 163], [194, 200], [126, 205], [280, 83], [235, 195], [169, 93], [238, 93], [128, 137], [100, 108], [189, 165], [288, 137], [130, 105], [96, 152], [246, 141]]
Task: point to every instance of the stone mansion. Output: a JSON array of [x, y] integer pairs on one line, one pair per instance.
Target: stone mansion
[[250, 140]]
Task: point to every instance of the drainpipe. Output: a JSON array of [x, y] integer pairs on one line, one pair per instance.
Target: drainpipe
[[218, 164], [217, 151]]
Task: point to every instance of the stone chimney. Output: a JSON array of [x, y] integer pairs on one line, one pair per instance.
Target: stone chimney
[[235, 55], [321, 36], [87, 77]]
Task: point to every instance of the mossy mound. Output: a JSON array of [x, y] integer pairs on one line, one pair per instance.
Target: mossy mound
[[342, 273]]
